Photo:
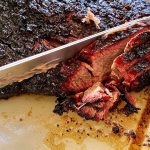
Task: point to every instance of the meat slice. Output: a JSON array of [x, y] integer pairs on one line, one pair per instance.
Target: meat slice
[[134, 64]]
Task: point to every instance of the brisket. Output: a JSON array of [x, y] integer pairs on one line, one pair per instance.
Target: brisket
[[74, 75], [82, 82]]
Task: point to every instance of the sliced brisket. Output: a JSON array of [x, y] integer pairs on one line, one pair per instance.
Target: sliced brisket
[[30, 27], [134, 64], [74, 75], [96, 101]]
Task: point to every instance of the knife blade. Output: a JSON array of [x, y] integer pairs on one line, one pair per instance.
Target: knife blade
[[27, 67]]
